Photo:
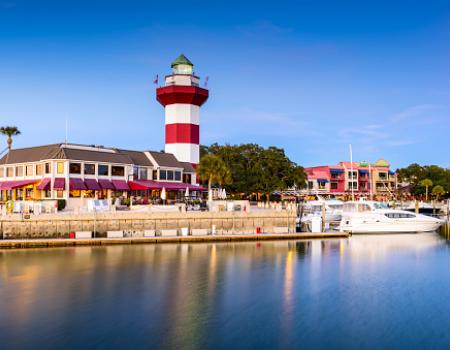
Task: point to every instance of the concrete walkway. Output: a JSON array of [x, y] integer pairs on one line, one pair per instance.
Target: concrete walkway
[[50, 243]]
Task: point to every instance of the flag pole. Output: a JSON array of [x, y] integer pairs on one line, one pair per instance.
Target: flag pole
[[351, 168]]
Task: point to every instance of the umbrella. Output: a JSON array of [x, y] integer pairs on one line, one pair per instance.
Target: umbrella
[[163, 194], [224, 194], [186, 194]]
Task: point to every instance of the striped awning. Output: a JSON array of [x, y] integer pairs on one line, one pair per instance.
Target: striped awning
[[45, 184], [59, 184], [77, 185], [11, 185], [106, 184], [120, 185], [92, 184]]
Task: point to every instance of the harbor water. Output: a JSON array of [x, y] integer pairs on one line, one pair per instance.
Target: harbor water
[[371, 292]]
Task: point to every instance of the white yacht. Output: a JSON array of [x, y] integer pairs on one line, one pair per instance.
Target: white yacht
[[333, 210], [376, 217]]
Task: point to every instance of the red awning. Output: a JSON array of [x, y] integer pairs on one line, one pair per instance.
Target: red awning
[[120, 185], [158, 185], [45, 184], [106, 184], [145, 185], [10, 185], [92, 184], [174, 186], [59, 184], [77, 185]]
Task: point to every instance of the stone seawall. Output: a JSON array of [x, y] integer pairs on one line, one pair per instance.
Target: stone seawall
[[134, 224]]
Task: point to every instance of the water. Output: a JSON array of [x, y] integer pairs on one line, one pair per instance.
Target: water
[[365, 292]]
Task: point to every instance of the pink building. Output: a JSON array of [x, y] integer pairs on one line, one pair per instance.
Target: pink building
[[376, 179]]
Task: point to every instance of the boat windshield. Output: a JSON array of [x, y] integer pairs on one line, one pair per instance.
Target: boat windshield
[[378, 205], [356, 207]]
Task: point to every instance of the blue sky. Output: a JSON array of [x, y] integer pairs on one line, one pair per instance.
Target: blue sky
[[308, 76]]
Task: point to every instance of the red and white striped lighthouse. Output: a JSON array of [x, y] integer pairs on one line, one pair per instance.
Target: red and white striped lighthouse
[[182, 97]]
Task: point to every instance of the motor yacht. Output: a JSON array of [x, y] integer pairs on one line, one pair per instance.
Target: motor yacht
[[376, 217], [333, 211]]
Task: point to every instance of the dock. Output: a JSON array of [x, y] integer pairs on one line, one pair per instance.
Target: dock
[[65, 242]]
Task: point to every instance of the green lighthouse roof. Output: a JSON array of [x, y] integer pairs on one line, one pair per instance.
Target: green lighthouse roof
[[182, 59]]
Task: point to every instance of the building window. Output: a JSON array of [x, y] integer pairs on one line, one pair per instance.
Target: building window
[[170, 175], [60, 168], [39, 169], [2, 172], [177, 175], [75, 194], [19, 170], [355, 185], [48, 168], [103, 170], [310, 185], [322, 185], [47, 193], [382, 176], [352, 175], [9, 172], [143, 173], [155, 175], [89, 169], [118, 170], [334, 185], [163, 175], [59, 194], [29, 170], [187, 178], [75, 168]]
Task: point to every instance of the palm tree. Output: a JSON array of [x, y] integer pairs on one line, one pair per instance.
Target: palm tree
[[438, 190], [9, 131], [426, 183], [214, 170]]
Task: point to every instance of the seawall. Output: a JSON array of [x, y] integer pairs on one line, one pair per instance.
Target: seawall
[[134, 224]]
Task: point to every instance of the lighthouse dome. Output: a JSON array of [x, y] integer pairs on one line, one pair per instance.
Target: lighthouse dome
[[182, 65]]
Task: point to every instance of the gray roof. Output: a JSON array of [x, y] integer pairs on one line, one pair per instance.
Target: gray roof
[[96, 156], [187, 167], [165, 159], [137, 157], [33, 154], [62, 151]]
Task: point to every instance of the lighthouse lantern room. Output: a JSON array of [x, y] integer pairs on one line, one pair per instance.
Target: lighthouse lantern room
[[182, 97]]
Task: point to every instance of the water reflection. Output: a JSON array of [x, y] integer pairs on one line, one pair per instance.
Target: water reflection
[[271, 294]]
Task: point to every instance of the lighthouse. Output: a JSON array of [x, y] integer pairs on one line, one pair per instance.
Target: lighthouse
[[182, 98]]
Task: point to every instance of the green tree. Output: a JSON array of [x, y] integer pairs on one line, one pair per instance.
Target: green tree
[[9, 132], [426, 183], [438, 191], [213, 170], [256, 170]]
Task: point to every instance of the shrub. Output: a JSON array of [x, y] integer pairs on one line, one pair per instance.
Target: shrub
[[61, 204]]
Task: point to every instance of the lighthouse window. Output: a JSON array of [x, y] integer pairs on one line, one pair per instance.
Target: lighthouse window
[[169, 175], [163, 175], [177, 175]]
